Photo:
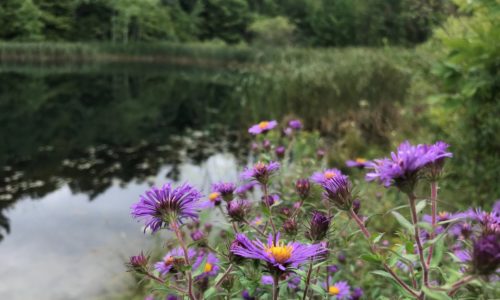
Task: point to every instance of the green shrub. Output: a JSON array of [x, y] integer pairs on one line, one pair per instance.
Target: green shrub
[[276, 31]]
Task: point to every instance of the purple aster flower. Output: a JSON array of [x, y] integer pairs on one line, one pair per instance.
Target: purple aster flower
[[404, 165], [172, 297], [160, 206], [320, 177], [331, 269], [338, 191], [238, 210], [262, 127], [246, 295], [294, 282], [356, 294], [278, 256], [270, 200], [303, 187], [172, 258], [357, 163], [280, 151], [245, 188], [462, 254], [225, 189], [267, 280], [214, 199], [318, 226], [437, 153], [340, 290], [295, 124], [486, 254], [288, 131], [210, 268], [138, 263], [260, 171], [257, 221]]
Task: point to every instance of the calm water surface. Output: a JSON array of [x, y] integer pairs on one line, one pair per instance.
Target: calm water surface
[[79, 144]]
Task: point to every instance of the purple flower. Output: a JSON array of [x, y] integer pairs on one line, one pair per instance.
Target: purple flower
[[463, 255], [214, 199], [245, 188], [159, 207], [357, 163], [356, 294], [197, 235], [486, 254], [225, 189], [404, 165], [210, 268], [295, 124], [280, 151], [246, 295], [266, 144], [278, 256], [262, 127], [340, 290], [338, 191], [303, 187], [172, 297], [174, 256], [318, 226], [267, 280], [260, 171], [270, 200], [238, 210], [320, 177], [149, 297], [288, 131], [356, 206], [332, 269]]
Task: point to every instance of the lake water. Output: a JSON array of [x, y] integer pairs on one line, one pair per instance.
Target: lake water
[[80, 143]]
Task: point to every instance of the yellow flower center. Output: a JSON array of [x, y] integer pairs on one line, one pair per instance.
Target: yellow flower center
[[280, 252], [329, 174], [333, 290], [258, 222], [443, 214], [213, 196], [169, 260], [360, 160], [263, 124], [208, 267]]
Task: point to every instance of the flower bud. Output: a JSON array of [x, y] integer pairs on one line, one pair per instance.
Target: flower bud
[[318, 226], [341, 258], [303, 187], [138, 263], [280, 151], [286, 211], [208, 227], [485, 254], [266, 144], [270, 200], [320, 154], [356, 206], [338, 191], [290, 227], [332, 269], [197, 235]]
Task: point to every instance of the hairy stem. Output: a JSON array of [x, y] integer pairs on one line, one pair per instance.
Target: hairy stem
[[457, 285], [434, 193], [276, 287], [420, 249], [266, 194], [221, 280], [189, 277]]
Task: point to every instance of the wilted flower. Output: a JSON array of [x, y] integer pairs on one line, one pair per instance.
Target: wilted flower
[[280, 151], [225, 189], [210, 268], [279, 257], [260, 171], [357, 163], [173, 258], [160, 206], [318, 226], [321, 177], [303, 187], [295, 124], [486, 254], [290, 227], [138, 263], [402, 169], [262, 127], [338, 191], [238, 210], [340, 290]]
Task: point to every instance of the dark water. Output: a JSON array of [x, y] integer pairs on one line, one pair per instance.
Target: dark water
[[78, 144]]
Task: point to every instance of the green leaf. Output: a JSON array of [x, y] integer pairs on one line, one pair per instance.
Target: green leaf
[[377, 237], [438, 295], [318, 289], [402, 221], [371, 258], [210, 292], [437, 253], [420, 205], [425, 225]]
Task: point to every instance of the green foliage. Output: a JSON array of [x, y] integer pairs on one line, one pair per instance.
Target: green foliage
[[471, 76], [225, 19], [276, 31], [20, 20]]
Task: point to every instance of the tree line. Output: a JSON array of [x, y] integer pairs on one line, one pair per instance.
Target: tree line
[[300, 22]]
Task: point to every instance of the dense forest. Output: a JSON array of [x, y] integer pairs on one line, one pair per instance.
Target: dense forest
[[282, 22]]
